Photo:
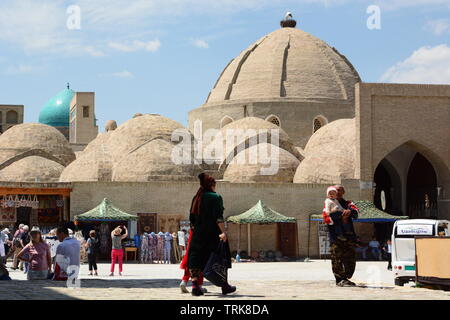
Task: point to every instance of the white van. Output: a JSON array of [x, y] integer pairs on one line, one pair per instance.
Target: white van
[[403, 245]]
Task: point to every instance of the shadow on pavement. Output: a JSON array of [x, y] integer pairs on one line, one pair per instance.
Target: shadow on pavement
[[48, 289]]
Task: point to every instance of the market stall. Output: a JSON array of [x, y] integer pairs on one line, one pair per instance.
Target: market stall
[[261, 214], [104, 218], [34, 205]]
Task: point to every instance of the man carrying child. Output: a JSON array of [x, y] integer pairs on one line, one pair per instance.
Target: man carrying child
[[339, 214]]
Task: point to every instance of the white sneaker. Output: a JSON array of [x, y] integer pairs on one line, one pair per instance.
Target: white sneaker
[[111, 274], [183, 288], [120, 273]]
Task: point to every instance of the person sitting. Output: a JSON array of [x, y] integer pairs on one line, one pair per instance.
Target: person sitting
[[361, 248], [374, 246], [4, 274]]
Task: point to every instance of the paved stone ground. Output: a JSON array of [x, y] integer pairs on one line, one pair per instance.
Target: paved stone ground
[[284, 280]]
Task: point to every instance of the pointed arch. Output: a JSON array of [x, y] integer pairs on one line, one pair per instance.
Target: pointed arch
[[274, 119], [226, 120], [318, 122]]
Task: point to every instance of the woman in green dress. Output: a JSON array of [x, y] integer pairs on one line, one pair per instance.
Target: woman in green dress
[[206, 217]]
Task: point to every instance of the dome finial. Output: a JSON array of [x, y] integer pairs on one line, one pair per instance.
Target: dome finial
[[288, 21], [68, 85]]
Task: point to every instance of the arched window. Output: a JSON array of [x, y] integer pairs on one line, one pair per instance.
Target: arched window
[[12, 117], [274, 119], [319, 122], [225, 120]]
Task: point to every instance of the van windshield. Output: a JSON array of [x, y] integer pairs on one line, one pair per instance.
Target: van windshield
[[413, 230]]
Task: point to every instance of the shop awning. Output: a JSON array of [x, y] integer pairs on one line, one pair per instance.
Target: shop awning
[[106, 211], [260, 214], [368, 213]]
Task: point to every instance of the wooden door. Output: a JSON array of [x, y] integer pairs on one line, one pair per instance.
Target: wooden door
[[147, 223], [287, 239]]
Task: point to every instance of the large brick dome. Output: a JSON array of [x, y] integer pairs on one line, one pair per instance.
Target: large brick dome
[[287, 63]]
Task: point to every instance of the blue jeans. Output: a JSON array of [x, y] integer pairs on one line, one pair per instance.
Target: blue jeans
[[37, 274], [362, 251], [26, 265], [376, 253]]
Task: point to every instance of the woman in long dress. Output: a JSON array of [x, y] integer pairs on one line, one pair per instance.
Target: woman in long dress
[[206, 217]]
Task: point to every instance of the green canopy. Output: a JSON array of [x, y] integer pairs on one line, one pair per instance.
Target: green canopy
[[106, 211], [367, 213], [260, 214]]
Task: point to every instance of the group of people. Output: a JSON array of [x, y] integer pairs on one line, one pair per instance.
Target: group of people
[[38, 258], [377, 251], [159, 247], [58, 257]]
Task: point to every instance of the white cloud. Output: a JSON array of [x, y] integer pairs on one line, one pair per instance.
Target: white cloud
[[439, 26], [40, 27], [21, 69], [136, 45], [425, 65], [399, 4], [199, 43], [121, 74]]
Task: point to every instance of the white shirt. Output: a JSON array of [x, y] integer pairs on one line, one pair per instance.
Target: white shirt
[[332, 205], [181, 239], [2, 248], [68, 253], [53, 243]]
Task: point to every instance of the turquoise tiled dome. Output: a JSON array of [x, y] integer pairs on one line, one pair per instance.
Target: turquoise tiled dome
[[56, 111]]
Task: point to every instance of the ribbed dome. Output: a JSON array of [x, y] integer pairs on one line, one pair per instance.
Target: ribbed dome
[[56, 111], [287, 63], [153, 161], [247, 168], [32, 169], [330, 154], [35, 138]]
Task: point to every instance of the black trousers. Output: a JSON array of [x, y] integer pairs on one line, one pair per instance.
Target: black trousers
[[92, 260]]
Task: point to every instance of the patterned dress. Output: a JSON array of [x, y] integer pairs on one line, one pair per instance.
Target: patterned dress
[[160, 248], [145, 249], [153, 243]]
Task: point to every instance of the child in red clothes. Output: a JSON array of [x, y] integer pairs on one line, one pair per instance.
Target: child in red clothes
[[187, 275]]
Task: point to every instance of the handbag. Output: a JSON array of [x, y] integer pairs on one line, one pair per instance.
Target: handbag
[[216, 269]]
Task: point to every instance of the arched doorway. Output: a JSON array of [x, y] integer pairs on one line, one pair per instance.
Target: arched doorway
[[421, 188], [388, 188], [386, 196]]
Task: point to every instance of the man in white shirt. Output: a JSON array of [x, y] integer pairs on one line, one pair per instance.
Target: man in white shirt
[[67, 260]]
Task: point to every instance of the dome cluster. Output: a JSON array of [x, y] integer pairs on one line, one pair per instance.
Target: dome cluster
[[281, 71], [138, 150]]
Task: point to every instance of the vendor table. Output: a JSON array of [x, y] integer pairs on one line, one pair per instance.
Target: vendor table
[[130, 249]]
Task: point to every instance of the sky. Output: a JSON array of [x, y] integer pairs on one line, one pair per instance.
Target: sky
[[164, 56]]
